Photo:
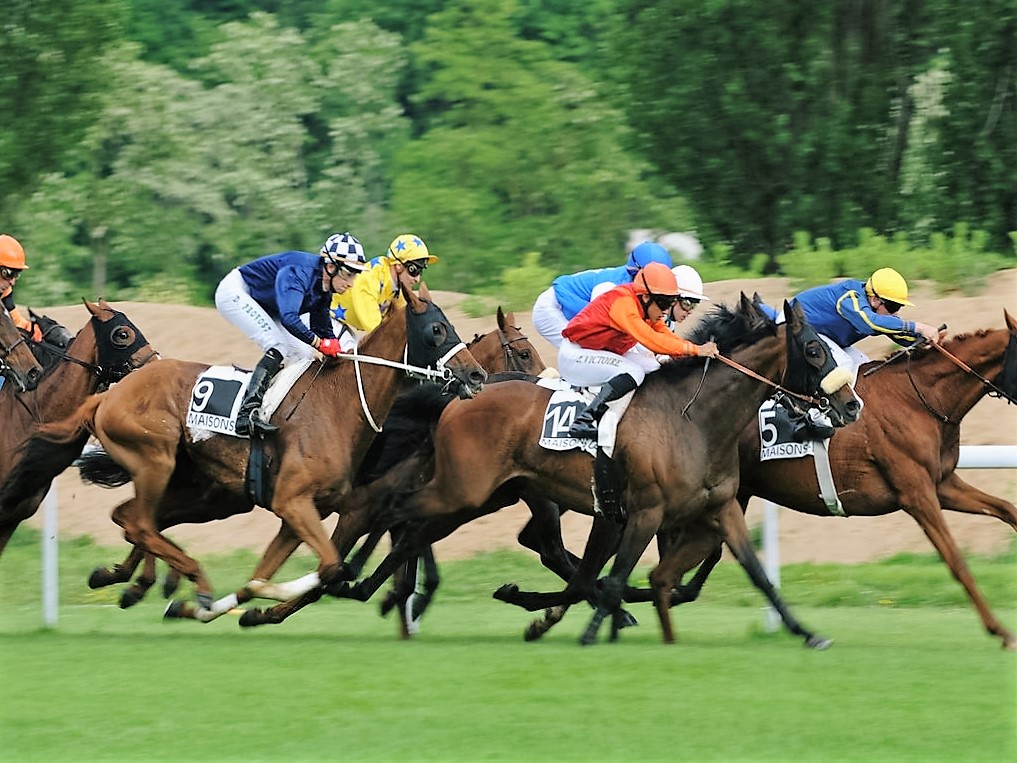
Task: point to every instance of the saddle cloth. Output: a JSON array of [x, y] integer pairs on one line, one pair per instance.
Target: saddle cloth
[[777, 441], [219, 391], [565, 404]]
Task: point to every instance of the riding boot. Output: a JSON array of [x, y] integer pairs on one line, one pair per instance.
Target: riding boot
[[585, 423], [247, 417]]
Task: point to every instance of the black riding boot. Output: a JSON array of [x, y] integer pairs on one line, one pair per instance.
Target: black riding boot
[[261, 377], [585, 424]]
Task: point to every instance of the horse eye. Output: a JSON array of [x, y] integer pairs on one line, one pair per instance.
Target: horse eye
[[525, 354]]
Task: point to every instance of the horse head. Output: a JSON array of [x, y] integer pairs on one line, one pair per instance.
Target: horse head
[[513, 351], [811, 369], [120, 345], [17, 363], [1008, 376], [431, 340]]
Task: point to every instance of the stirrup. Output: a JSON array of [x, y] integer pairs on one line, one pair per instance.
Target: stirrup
[[259, 425]]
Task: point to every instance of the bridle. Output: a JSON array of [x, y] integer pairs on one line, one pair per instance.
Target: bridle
[[512, 359], [907, 352], [5, 351]]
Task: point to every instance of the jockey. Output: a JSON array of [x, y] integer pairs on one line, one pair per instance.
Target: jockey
[[569, 294], [690, 294], [847, 312], [361, 308], [12, 262], [604, 344], [265, 299]]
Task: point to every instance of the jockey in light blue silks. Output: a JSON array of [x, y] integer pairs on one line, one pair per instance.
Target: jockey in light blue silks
[[568, 295]]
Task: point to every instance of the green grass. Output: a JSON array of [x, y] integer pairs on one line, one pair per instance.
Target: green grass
[[911, 677]]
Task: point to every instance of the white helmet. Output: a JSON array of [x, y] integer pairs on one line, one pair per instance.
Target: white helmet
[[690, 283]]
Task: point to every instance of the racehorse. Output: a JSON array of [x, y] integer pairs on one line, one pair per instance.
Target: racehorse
[[506, 349], [903, 453], [676, 446], [141, 424], [17, 363], [104, 351]]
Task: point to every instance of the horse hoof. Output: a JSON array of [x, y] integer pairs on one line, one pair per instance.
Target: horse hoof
[[129, 598], [818, 643], [251, 618], [170, 586], [1010, 643], [174, 610], [506, 592], [532, 632], [100, 578], [627, 620], [388, 604]]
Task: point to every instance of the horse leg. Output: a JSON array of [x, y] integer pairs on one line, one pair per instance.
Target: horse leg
[[639, 530], [542, 535], [736, 534], [928, 516], [118, 573], [957, 495], [697, 541], [279, 550]]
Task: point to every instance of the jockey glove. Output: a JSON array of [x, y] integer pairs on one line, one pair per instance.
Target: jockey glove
[[329, 347]]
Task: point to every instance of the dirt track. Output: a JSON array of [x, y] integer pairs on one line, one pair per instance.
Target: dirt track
[[200, 334]]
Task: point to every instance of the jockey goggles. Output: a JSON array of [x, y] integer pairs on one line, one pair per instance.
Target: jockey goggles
[[664, 301], [688, 304], [9, 274], [415, 267], [891, 306]]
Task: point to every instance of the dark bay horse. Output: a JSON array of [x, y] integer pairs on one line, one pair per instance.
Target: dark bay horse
[[326, 423], [676, 446], [104, 351], [506, 349], [18, 365], [903, 453]]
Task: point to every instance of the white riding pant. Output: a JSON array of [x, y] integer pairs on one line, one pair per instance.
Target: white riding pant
[[234, 302], [589, 368], [848, 358], [547, 317]]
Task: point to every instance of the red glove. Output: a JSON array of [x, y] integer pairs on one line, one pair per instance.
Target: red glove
[[329, 347]]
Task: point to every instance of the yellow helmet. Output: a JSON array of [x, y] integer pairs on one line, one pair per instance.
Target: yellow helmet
[[407, 248], [12, 255], [888, 284]]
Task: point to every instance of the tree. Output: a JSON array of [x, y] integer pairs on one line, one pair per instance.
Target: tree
[[51, 73]]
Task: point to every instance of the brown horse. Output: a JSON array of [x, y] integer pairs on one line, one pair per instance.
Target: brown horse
[[18, 365], [506, 349], [323, 435], [676, 446], [104, 351], [903, 453]]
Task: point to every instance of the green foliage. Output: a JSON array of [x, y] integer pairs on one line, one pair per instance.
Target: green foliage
[[954, 263], [51, 71]]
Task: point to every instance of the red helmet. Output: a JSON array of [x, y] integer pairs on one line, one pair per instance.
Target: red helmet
[[656, 279]]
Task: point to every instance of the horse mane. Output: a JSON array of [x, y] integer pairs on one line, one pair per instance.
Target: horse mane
[[729, 328]]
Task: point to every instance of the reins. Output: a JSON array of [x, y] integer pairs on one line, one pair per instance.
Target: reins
[[993, 390], [777, 387]]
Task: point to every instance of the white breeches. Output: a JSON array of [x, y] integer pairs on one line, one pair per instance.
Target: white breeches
[[548, 318], [589, 368], [236, 305]]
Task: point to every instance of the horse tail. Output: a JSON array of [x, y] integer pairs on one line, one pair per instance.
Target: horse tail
[[78, 424], [97, 467]]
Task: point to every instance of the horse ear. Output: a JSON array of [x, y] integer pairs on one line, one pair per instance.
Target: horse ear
[[794, 316], [750, 308], [501, 319], [1010, 322]]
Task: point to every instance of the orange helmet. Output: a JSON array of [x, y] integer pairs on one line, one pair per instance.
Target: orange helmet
[[11, 253], [656, 279]]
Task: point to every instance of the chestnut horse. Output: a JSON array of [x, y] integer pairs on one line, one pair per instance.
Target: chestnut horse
[[104, 351], [505, 349], [903, 454], [676, 447], [18, 365], [326, 423]]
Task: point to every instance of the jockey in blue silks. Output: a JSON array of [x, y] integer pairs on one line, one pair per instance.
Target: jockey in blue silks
[[569, 294]]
